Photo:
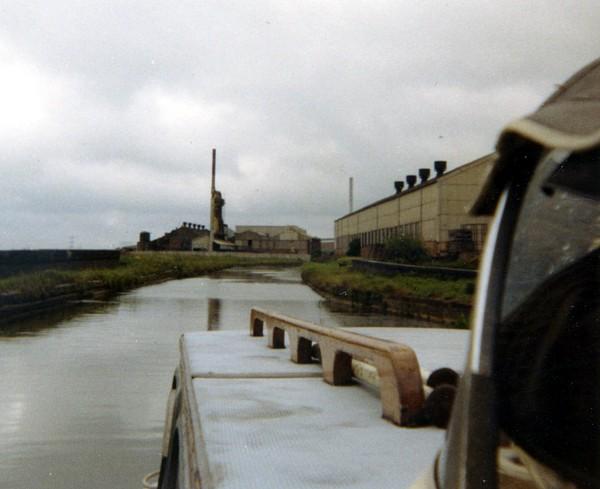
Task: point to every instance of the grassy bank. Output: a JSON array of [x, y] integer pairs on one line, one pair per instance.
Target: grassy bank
[[337, 280], [132, 271]]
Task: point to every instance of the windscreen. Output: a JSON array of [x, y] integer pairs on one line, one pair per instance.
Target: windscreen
[[547, 353], [559, 222]]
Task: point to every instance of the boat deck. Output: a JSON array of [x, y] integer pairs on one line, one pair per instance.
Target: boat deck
[[267, 422]]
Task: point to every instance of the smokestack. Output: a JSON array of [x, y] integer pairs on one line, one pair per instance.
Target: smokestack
[[411, 180], [398, 185], [214, 169], [351, 194], [212, 200], [424, 174], [439, 167]]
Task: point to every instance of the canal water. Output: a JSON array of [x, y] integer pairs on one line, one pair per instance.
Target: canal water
[[82, 395]]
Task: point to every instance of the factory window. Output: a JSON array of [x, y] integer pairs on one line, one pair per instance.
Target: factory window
[[410, 230], [478, 231]]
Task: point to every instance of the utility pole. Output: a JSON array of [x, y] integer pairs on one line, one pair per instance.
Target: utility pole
[[351, 194]]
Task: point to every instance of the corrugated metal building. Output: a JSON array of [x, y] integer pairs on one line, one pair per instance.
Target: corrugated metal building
[[427, 211]]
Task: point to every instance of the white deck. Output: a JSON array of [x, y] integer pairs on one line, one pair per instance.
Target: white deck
[[237, 354], [267, 422], [435, 347]]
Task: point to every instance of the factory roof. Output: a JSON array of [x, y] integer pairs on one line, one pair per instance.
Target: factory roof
[[420, 186]]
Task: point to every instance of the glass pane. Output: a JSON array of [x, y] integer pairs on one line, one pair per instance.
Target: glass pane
[[553, 230]]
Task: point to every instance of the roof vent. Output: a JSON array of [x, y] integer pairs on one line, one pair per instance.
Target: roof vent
[[411, 180], [398, 185], [424, 174], [439, 167]]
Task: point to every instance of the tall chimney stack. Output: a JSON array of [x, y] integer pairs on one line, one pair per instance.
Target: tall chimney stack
[[212, 201], [214, 169]]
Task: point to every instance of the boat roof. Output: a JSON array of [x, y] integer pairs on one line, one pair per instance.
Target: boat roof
[[268, 422]]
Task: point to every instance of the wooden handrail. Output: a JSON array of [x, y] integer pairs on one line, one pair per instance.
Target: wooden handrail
[[401, 386]]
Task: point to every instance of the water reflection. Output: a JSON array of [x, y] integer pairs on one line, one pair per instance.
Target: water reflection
[[214, 314], [37, 324], [84, 392]]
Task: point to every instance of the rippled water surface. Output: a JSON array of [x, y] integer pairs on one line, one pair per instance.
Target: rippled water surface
[[83, 394]]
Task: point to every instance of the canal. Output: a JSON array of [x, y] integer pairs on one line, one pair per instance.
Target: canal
[[83, 394]]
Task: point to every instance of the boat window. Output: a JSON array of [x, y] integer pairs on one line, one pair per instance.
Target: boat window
[[548, 342], [558, 224]]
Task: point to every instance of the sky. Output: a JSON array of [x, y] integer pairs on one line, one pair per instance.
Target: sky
[[109, 109]]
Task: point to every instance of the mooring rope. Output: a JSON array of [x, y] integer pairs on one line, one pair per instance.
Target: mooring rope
[[146, 481]]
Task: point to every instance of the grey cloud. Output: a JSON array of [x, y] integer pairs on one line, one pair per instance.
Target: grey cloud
[[296, 96]]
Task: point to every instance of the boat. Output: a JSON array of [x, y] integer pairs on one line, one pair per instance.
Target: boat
[[256, 408], [261, 405]]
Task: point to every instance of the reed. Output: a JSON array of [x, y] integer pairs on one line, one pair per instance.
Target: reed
[[132, 271], [337, 278]]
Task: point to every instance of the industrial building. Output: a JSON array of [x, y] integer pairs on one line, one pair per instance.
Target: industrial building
[[257, 239], [186, 237], [434, 211], [275, 239]]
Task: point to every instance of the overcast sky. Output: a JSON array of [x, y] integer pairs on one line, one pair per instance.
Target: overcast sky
[[109, 109]]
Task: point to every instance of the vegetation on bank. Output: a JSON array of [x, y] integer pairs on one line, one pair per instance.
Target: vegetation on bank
[[411, 251], [133, 270], [337, 278]]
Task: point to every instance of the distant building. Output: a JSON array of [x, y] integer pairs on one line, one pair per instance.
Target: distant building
[[328, 245], [258, 239], [435, 211], [275, 239], [187, 237]]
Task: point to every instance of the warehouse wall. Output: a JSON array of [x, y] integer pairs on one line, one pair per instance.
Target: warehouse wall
[[427, 211]]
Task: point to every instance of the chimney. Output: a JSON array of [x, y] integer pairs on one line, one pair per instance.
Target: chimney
[[411, 180], [212, 200], [351, 194], [398, 185], [424, 174], [440, 168], [214, 170]]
